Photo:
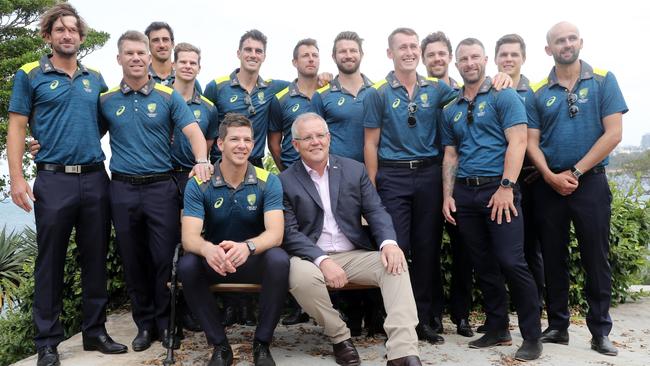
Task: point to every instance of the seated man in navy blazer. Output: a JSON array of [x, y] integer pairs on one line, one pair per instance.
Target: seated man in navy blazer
[[325, 197]]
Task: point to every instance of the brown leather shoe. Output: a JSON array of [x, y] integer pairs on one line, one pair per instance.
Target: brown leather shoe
[[345, 353], [405, 361]]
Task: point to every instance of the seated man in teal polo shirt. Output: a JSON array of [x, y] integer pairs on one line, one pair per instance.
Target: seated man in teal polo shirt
[[241, 213]]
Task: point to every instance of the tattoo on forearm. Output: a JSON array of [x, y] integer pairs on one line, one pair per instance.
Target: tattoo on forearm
[[448, 178]]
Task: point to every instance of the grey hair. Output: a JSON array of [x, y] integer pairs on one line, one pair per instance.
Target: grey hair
[[304, 117]]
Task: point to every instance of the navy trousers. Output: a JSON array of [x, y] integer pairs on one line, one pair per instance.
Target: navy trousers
[[63, 202], [460, 292], [270, 269], [413, 198], [532, 246], [146, 221], [589, 209], [497, 249]]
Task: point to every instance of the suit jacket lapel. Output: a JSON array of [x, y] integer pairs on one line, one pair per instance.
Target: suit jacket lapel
[[305, 180], [335, 179]]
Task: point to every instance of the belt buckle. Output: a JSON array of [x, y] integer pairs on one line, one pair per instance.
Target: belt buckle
[[413, 164], [473, 181], [73, 169]]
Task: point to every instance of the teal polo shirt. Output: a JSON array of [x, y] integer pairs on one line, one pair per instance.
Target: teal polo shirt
[[140, 123], [233, 213], [481, 144], [343, 113], [386, 107], [565, 140], [229, 96], [207, 117], [62, 111], [286, 106]]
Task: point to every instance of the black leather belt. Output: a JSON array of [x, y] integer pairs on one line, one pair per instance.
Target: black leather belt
[[594, 170], [140, 179], [477, 181], [182, 169], [70, 169], [410, 164]]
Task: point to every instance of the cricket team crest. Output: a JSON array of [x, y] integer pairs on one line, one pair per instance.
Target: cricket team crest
[[86, 84], [151, 107], [252, 200], [197, 114]]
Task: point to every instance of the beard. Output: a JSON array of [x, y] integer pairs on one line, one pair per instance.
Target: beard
[[63, 52], [566, 61], [344, 69]]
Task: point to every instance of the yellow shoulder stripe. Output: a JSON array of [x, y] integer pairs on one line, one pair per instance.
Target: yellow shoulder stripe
[[323, 89], [601, 72], [29, 67], [536, 86], [196, 178], [268, 81], [450, 103], [378, 84], [262, 174], [431, 78], [207, 100], [113, 89], [282, 92], [163, 88], [221, 79]]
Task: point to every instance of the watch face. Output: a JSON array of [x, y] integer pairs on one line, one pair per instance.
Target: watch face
[[506, 182]]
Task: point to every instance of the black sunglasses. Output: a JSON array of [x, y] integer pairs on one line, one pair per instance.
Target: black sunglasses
[[470, 112], [412, 108], [249, 103], [572, 98]]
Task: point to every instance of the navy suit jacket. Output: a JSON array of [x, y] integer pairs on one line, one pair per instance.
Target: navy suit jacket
[[351, 195]]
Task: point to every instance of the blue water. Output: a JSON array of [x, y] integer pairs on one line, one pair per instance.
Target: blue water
[[14, 217]]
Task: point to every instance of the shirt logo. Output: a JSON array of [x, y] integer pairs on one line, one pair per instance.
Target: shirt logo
[[54, 84], [86, 84], [233, 99], [481, 109], [151, 107], [218, 202], [550, 101], [340, 101], [197, 114], [295, 107], [251, 198], [424, 98], [582, 95], [260, 96], [396, 103], [120, 111], [457, 116]]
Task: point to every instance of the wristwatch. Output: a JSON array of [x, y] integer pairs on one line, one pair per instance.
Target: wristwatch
[[203, 161], [507, 183], [576, 173], [251, 246]]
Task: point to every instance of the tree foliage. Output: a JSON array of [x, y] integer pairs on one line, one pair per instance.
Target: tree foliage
[[20, 43]]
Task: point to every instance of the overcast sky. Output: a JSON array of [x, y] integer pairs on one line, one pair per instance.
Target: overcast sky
[[611, 31]]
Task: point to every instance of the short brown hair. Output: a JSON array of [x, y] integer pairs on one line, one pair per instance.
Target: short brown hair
[[511, 38], [304, 42], [186, 47], [436, 37], [469, 42], [348, 36], [59, 11], [234, 120], [402, 30], [132, 35], [255, 35], [158, 26]]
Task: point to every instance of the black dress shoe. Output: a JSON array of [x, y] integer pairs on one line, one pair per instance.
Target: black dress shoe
[[143, 340], [48, 356], [346, 354], [221, 355], [247, 316], [426, 333], [296, 317], [189, 322], [602, 344], [491, 339], [405, 361], [103, 343], [555, 336], [262, 354], [464, 328], [176, 341], [436, 325], [230, 316], [529, 350]]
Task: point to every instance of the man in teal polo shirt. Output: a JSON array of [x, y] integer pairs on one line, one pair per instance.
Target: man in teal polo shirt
[[484, 134], [293, 101], [577, 120], [240, 213], [140, 116]]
